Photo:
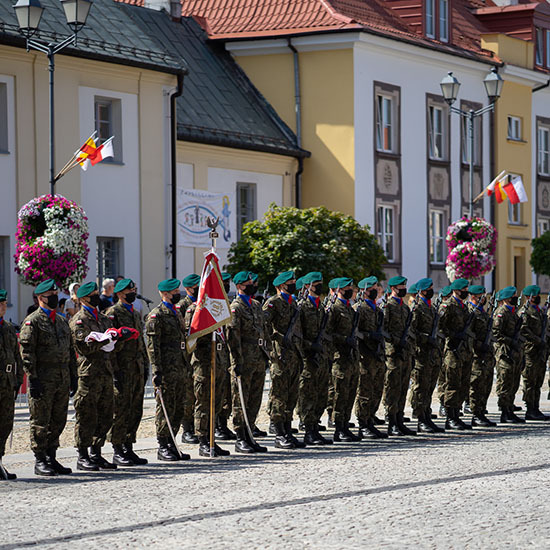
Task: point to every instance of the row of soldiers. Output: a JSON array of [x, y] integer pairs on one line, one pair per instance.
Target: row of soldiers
[[357, 347]]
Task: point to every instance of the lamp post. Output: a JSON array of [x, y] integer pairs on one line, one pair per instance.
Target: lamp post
[[29, 13], [493, 86]]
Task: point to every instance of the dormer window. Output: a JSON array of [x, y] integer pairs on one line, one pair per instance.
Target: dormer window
[[444, 20], [430, 18], [436, 19], [539, 47]]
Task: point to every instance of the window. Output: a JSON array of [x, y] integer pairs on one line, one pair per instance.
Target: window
[[543, 151], [108, 258], [539, 45], [4, 146], [465, 138], [436, 133], [548, 49], [386, 231], [437, 237], [543, 226], [514, 213], [430, 16], [444, 20], [246, 205], [108, 123], [384, 123], [514, 128], [5, 262]]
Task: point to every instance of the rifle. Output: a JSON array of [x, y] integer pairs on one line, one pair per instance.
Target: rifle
[[379, 335], [323, 326], [465, 332], [435, 325], [287, 338], [488, 336], [517, 338], [354, 335]]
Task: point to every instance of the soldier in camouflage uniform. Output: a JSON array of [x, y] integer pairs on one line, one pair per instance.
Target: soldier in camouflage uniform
[[166, 343], [481, 378], [445, 293], [398, 359], [132, 374], [11, 377], [371, 358], [49, 361], [190, 285], [331, 297], [345, 361], [281, 312], [246, 341], [535, 353], [426, 366], [508, 352]]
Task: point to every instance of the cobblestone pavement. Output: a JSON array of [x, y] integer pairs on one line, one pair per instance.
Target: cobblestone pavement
[[479, 489]]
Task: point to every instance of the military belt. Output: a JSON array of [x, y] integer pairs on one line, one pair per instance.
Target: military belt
[[258, 341]]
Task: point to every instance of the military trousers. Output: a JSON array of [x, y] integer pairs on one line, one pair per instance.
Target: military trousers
[[285, 383], [465, 379], [481, 382], [370, 387], [309, 392], [48, 413], [455, 376], [188, 399], [173, 389], [201, 386], [246, 377], [424, 372], [508, 374], [93, 405], [128, 405], [345, 375], [396, 382], [441, 383], [256, 391], [7, 405], [227, 400], [330, 391], [324, 377], [533, 379]]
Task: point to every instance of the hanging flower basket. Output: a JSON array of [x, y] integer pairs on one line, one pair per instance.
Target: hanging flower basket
[[51, 241], [472, 244]]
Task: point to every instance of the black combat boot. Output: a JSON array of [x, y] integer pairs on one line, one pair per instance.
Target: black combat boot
[[42, 466], [342, 433], [534, 413], [4, 474], [370, 431], [223, 433], [423, 426], [453, 422], [255, 445], [242, 445], [324, 440], [174, 448], [330, 422], [482, 421], [83, 462], [290, 435], [510, 417], [378, 421], [310, 436], [95, 456], [272, 429], [321, 428], [428, 420], [219, 451], [57, 467], [165, 452], [393, 427], [188, 435], [120, 457], [282, 441], [400, 417], [204, 446], [467, 409], [256, 432], [129, 451]]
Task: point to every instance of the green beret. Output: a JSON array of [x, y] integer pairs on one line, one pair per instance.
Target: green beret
[[445, 291], [312, 277], [424, 284], [226, 276], [531, 290], [476, 289], [413, 289], [332, 283], [254, 276], [397, 280], [506, 293], [124, 284], [86, 289], [242, 276], [3, 295], [460, 284], [340, 282], [168, 285], [299, 283], [367, 282], [190, 280], [44, 286], [284, 277]]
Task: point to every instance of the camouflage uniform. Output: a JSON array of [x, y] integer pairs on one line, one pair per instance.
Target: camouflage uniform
[[132, 371], [535, 356], [188, 396], [509, 359], [285, 362], [166, 344], [11, 377], [48, 354], [94, 398]]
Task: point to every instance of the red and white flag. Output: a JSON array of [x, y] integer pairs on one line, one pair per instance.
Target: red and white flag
[[515, 190], [102, 152], [212, 309]]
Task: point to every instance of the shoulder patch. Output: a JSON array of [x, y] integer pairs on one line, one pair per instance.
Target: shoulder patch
[[153, 316], [233, 310], [79, 321], [27, 323], [499, 315], [178, 306], [269, 305], [111, 316]]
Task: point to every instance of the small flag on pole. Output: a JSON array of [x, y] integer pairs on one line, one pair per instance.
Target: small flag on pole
[[102, 152], [515, 190]]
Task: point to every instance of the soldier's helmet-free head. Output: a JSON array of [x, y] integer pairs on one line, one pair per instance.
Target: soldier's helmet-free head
[[413, 289], [531, 290], [191, 283], [299, 283], [367, 282], [506, 293], [46, 286], [445, 292], [424, 284]]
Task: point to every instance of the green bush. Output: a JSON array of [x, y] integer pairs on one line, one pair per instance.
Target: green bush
[[540, 255]]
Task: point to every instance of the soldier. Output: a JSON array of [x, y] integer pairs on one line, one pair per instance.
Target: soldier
[[445, 294], [481, 378], [396, 384], [426, 366], [508, 352], [166, 342], [49, 361], [331, 297], [283, 325], [132, 374], [190, 284], [246, 340], [535, 352], [372, 360], [11, 377]]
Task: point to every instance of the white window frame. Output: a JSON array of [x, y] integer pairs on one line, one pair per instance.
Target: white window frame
[[514, 128], [387, 236], [246, 213], [430, 18], [109, 127], [539, 46], [514, 213], [437, 240], [435, 132], [443, 20], [543, 226], [543, 150], [383, 124], [117, 244]]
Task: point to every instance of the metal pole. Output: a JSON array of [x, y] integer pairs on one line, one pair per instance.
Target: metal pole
[[471, 116], [51, 69], [212, 394]]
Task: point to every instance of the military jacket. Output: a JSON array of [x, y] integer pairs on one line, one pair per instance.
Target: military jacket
[[454, 316], [278, 314], [504, 326], [130, 351], [339, 326], [368, 323], [91, 358], [46, 345], [422, 325], [310, 321], [10, 359], [395, 321], [531, 329], [185, 303], [246, 333], [480, 326], [166, 340]]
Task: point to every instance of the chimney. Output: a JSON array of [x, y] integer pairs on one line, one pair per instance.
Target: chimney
[[503, 3], [173, 7]]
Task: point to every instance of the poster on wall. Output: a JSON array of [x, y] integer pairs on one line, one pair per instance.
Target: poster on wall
[[194, 206]]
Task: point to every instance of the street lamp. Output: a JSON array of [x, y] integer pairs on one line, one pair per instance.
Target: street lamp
[[29, 13], [493, 86]]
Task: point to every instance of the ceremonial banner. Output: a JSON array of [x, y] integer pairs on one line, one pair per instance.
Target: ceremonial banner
[[212, 309], [194, 206]]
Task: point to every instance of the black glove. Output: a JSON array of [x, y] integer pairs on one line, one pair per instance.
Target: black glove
[[157, 380], [238, 369], [317, 347], [35, 388], [74, 386], [118, 380]]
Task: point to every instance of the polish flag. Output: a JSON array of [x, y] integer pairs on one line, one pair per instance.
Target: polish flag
[[102, 152], [515, 190], [495, 187], [212, 309]]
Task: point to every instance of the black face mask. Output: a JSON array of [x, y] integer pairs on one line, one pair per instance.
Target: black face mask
[[226, 286], [255, 289], [290, 288], [402, 292], [347, 294], [514, 301], [52, 301], [536, 300], [429, 294], [175, 298], [373, 293], [250, 290], [318, 288], [130, 297], [463, 294], [94, 300]]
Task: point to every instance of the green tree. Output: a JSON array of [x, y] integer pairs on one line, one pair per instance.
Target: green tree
[[540, 256], [304, 240]]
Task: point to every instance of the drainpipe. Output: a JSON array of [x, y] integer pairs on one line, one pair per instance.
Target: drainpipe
[[540, 87], [492, 171], [298, 109], [173, 170]]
